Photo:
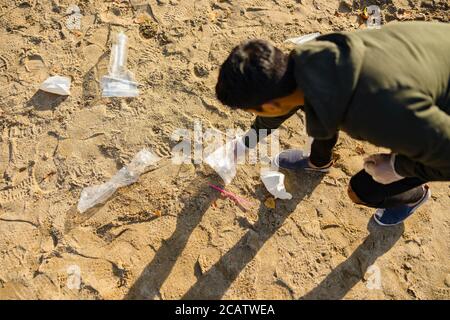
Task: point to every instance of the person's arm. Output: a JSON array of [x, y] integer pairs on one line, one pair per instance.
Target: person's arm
[[406, 167], [428, 156], [268, 123], [417, 131]]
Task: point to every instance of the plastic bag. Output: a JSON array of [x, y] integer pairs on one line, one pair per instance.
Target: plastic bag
[[120, 81], [57, 85], [224, 159], [303, 39], [274, 183], [91, 196]]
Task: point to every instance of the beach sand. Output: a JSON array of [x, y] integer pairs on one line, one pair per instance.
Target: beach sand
[[169, 235]]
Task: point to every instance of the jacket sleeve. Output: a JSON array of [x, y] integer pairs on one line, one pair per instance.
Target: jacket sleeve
[[429, 154], [407, 167], [417, 130], [265, 123]]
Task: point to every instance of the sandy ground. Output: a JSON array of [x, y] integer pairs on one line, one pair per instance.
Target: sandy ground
[[170, 236]]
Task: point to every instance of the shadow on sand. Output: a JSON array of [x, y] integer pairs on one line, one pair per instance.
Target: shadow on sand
[[347, 274], [214, 283]]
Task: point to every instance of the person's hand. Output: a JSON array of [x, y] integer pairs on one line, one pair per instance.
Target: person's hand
[[381, 168]]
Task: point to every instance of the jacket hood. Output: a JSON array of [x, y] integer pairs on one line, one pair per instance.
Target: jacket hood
[[327, 71]]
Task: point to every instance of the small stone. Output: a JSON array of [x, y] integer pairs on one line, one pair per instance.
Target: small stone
[[201, 70], [115, 11], [407, 266], [413, 249], [148, 30], [421, 17], [447, 280]]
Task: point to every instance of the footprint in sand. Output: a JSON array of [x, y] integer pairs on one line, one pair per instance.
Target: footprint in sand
[[36, 66], [45, 171], [17, 152], [3, 64], [17, 192], [4, 76], [28, 150]]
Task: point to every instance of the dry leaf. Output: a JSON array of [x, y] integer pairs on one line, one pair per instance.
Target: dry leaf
[[270, 203], [77, 33], [157, 213]]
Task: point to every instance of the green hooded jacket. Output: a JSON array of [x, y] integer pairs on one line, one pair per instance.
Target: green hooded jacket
[[388, 86]]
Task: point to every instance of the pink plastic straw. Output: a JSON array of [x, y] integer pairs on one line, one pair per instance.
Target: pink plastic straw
[[231, 195]]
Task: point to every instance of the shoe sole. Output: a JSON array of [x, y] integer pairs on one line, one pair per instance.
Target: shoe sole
[[424, 199]]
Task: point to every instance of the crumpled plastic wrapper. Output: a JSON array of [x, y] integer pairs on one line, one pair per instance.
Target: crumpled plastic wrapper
[[274, 183]]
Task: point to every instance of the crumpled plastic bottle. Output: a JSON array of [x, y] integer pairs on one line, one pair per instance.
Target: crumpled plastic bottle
[[274, 183], [94, 195]]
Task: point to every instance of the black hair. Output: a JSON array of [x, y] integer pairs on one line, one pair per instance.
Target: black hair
[[255, 73]]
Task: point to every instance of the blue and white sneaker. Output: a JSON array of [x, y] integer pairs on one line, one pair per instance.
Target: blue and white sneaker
[[396, 215], [293, 159]]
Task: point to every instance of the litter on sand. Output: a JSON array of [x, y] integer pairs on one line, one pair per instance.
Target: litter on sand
[[120, 81], [274, 183], [57, 85], [223, 160], [270, 203], [157, 213], [91, 196], [244, 203], [303, 39]]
